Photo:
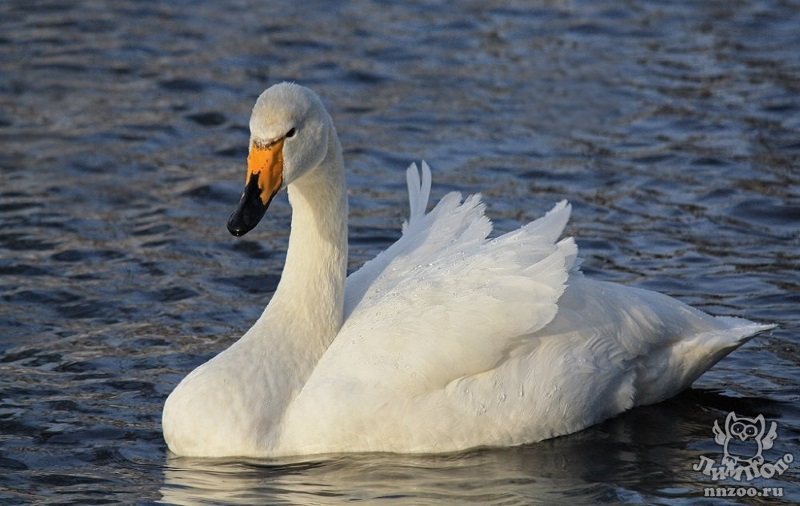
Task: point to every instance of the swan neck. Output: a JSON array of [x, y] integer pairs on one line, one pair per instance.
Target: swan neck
[[311, 290]]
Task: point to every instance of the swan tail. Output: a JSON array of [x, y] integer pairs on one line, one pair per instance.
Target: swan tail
[[741, 330], [673, 368]]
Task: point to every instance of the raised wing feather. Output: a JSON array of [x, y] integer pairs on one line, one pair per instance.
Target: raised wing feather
[[425, 237], [452, 229]]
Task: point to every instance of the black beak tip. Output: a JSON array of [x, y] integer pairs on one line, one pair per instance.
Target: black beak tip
[[249, 211], [241, 223], [237, 230]]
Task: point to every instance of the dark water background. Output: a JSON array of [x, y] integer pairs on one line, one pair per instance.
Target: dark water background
[[673, 127]]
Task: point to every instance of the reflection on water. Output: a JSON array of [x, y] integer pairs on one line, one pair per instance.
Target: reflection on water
[[672, 127], [479, 477]]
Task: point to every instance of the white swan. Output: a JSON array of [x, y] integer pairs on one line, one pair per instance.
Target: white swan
[[445, 341]]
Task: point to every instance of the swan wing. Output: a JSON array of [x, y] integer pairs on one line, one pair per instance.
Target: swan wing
[[443, 303], [446, 294]]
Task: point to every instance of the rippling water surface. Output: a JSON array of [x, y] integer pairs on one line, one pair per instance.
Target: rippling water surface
[[673, 127]]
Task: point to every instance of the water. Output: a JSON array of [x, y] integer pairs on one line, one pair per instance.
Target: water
[[674, 128]]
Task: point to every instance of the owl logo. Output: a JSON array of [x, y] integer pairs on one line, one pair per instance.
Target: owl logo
[[744, 439]]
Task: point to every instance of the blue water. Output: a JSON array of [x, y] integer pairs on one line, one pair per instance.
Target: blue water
[[673, 127]]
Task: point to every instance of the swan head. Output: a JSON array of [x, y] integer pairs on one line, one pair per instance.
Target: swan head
[[289, 130]]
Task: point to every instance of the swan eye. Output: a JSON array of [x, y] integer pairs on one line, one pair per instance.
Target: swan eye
[[291, 132]]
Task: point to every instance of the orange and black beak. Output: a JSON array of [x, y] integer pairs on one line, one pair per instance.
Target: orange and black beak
[[264, 179]]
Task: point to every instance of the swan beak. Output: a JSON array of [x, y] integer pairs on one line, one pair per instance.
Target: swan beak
[[264, 179]]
